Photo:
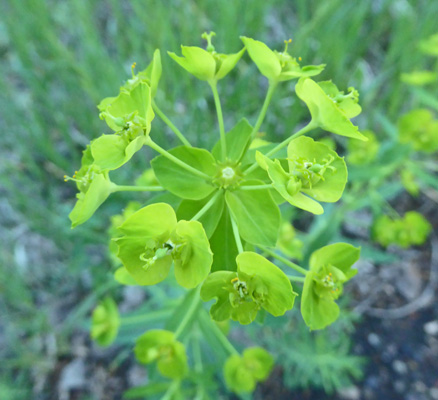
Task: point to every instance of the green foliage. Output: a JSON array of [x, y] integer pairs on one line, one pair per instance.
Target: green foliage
[[328, 364], [360, 152], [243, 372], [330, 268], [411, 229], [278, 66], [161, 347], [257, 284], [330, 108], [420, 129], [49, 90], [154, 240], [105, 322]]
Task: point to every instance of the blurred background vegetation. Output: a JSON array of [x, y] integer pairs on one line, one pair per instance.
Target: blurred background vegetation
[[58, 59]]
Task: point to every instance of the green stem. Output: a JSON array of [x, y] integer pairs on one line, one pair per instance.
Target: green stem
[[284, 143], [261, 117], [207, 206], [220, 119], [189, 313], [285, 261], [262, 114], [256, 187], [171, 391], [236, 235], [145, 318], [296, 278], [169, 123], [222, 339], [124, 188], [177, 161]]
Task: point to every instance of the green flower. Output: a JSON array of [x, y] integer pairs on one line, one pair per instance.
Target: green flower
[[330, 268], [206, 65], [240, 295], [314, 172], [130, 115], [105, 322], [161, 347], [420, 129], [94, 188], [412, 229], [278, 66], [330, 108], [243, 372], [154, 240], [360, 152]]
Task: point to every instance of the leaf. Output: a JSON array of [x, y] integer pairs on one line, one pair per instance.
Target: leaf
[[223, 245], [227, 63], [160, 346], [317, 312], [112, 151], [330, 188], [324, 111], [262, 56], [123, 277], [105, 322], [131, 249], [181, 182], [214, 287], [196, 61], [280, 296], [87, 203], [280, 180], [138, 100], [237, 140], [210, 220], [196, 259], [153, 221], [340, 255], [256, 215]]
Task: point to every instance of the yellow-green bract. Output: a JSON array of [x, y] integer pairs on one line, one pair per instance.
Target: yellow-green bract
[[105, 322], [315, 173], [243, 372], [330, 108], [277, 66], [154, 239], [330, 268], [160, 346], [240, 295]]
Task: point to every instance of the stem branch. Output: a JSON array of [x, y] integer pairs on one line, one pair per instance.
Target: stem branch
[[220, 119], [284, 143], [285, 261], [169, 123], [236, 235], [125, 188], [176, 160], [207, 206], [256, 187], [190, 312]]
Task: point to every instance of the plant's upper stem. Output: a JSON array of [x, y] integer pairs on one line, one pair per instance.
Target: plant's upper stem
[[220, 119], [169, 123]]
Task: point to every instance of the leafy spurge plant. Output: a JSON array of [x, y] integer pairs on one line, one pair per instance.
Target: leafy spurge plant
[[228, 219]]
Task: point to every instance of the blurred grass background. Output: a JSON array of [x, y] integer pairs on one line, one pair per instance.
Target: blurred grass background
[[59, 58]]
